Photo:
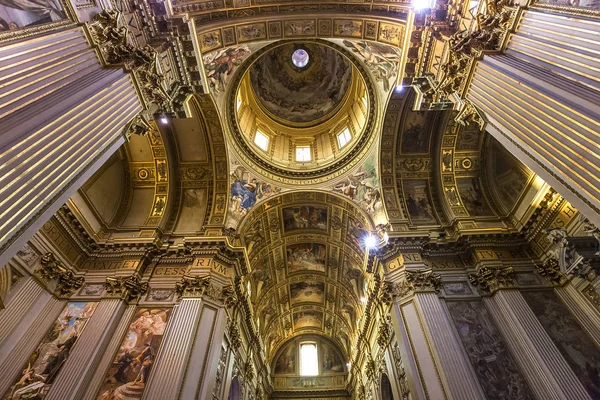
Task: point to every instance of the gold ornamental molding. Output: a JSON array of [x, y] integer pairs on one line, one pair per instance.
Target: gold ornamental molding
[[192, 286], [53, 270]]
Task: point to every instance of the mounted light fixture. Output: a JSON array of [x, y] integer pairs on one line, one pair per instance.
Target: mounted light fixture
[[370, 241]]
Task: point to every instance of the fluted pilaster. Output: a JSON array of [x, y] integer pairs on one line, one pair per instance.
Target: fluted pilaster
[[547, 372], [169, 368], [62, 115], [587, 315], [89, 349], [99, 374], [20, 307], [13, 358], [542, 99], [456, 369], [189, 353]]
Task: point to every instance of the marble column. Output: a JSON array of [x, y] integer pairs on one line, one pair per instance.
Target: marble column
[[62, 115], [542, 99], [77, 372], [17, 347], [187, 361], [547, 372]]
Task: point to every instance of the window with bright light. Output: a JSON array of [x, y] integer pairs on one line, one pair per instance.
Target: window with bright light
[[344, 137], [261, 140], [309, 360], [303, 153]]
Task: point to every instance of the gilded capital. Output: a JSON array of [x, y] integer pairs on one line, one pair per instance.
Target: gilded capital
[[489, 279], [128, 288], [192, 286], [66, 281], [424, 280]]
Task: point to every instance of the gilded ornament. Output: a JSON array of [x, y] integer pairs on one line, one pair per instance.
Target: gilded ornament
[[551, 271], [424, 280], [489, 280], [128, 288], [192, 286]]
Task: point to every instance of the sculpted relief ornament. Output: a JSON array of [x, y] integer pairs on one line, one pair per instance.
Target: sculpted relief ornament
[[66, 281], [488, 280], [108, 33]]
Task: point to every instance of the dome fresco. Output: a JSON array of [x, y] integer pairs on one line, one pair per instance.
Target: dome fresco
[[301, 95]]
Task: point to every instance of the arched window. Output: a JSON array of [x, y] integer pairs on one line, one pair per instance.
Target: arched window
[[309, 359]]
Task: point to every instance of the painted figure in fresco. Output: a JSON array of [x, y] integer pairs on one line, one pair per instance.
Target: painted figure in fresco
[[55, 361], [124, 364], [145, 359], [220, 66], [382, 60]]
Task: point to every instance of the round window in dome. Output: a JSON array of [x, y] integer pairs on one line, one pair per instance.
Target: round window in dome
[[300, 58]]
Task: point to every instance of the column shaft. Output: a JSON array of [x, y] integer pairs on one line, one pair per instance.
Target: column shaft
[[77, 371], [169, 368], [61, 113], [587, 315], [24, 342], [547, 372], [452, 359], [542, 98], [20, 307]]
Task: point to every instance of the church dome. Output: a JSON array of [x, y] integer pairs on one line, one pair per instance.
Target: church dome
[[301, 84], [302, 110]]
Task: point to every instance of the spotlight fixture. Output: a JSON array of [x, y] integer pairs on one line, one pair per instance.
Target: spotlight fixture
[[421, 4], [164, 120], [399, 88]]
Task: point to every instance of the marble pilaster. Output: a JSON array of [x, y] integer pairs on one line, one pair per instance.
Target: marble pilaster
[[187, 361], [456, 371], [585, 313], [20, 310], [99, 373]]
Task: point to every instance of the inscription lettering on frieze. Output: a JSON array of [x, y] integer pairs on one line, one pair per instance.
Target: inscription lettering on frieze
[[446, 264], [110, 265], [396, 263], [62, 243], [564, 217], [500, 254], [170, 271], [412, 258], [220, 269], [203, 262]]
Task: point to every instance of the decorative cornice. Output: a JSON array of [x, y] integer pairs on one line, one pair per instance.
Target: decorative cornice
[[488, 280], [66, 281], [128, 288]]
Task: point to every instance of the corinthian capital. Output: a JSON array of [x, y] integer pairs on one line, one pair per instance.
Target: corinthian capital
[[128, 288], [424, 280], [53, 270], [192, 286], [489, 280]]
